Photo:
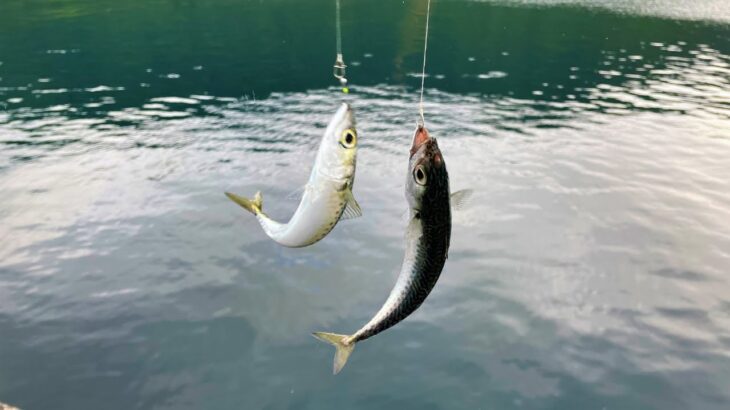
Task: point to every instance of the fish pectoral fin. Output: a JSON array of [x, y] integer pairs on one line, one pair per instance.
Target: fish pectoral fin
[[352, 208], [460, 199], [343, 349]]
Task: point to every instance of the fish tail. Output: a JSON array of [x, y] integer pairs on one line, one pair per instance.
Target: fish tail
[[341, 343], [254, 205]]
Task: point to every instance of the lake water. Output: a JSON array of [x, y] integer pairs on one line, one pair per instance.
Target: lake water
[[591, 270]]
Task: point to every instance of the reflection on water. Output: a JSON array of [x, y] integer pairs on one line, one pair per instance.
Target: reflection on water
[[712, 10], [589, 272]]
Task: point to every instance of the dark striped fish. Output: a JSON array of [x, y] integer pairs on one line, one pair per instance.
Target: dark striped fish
[[427, 245]]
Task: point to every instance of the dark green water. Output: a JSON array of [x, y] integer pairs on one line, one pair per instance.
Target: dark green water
[[590, 272]]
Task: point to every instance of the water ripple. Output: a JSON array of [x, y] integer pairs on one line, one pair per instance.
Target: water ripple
[[591, 266]]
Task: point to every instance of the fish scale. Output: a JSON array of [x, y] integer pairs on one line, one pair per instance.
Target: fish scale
[[422, 277], [427, 244]]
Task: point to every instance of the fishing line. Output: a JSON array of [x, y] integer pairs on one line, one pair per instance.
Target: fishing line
[[339, 68], [423, 70]]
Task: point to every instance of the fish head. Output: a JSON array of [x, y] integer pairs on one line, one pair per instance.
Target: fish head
[[341, 140], [427, 184]]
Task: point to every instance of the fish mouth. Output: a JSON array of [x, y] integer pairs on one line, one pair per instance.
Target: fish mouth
[[419, 138], [345, 115], [422, 142]]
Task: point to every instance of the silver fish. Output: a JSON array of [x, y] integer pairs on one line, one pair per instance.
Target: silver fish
[[427, 244], [328, 194]]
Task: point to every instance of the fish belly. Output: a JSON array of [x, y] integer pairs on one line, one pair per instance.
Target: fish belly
[[317, 214]]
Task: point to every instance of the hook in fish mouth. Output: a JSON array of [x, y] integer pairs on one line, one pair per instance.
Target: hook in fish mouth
[[419, 138], [432, 151]]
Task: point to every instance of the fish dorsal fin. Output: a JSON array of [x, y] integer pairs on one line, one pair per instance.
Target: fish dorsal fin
[[298, 193], [460, 199], [352, 208]]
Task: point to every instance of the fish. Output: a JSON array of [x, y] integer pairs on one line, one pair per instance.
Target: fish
[[427, 238], [327, 197]]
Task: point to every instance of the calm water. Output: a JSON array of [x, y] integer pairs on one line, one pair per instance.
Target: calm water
[[592, 270]]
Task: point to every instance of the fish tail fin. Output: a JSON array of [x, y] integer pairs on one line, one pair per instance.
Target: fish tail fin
[[254, 205], [340, 342]]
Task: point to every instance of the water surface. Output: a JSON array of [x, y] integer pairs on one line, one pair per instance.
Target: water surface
[[589, 272]]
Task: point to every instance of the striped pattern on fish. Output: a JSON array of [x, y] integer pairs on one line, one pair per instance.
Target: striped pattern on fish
[[427, 245]]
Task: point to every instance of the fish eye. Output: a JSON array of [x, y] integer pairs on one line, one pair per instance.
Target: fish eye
[[419, 175], [349, 138]]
